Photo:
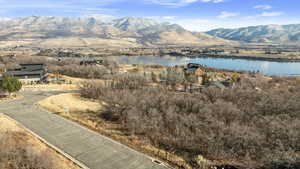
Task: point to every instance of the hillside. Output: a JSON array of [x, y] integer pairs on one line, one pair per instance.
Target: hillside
[[46, 31], [261, 34]]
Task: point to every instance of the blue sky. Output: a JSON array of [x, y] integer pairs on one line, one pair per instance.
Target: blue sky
[[196, 15]]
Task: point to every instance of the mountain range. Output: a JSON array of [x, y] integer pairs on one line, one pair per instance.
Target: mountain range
[[279, 34], [45, 31]]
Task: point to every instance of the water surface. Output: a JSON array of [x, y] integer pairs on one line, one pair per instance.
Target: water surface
[[266, 67]]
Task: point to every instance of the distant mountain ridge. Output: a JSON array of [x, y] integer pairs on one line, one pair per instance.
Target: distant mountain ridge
[[261, 34], [94, 31]]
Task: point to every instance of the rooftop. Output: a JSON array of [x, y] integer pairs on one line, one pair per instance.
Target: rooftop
[[20, 73], [31, 64]]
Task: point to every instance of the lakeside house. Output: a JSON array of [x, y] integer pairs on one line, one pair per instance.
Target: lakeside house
[[194, 66], [91, 62], [28, 73]]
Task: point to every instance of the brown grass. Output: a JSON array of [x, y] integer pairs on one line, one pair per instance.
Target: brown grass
[[19, 149], [71, 101]]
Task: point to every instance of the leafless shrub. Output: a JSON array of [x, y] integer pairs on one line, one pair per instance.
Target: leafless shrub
[[75, 70], [173, 76], [16, 153], [32, 59], [8, 62], [257, 128], [127, 81]]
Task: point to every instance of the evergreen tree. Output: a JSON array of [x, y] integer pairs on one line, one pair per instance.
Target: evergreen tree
[[10, 84]]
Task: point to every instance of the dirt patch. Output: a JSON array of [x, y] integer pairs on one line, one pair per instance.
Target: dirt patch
[[8, 126]]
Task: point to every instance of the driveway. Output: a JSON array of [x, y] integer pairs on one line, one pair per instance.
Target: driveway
[[85, 147]]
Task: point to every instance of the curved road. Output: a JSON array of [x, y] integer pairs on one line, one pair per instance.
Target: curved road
[[85, 147]]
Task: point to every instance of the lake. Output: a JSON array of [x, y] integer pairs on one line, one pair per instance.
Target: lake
[[265, 67]]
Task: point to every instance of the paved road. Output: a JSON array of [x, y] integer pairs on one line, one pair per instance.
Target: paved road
[[88, 148]]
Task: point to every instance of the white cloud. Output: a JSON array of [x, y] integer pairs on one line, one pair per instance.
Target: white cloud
[[179, 3], [226, 14], [265, 7], [268, 14], [264, 14], [214, 1], [252, 17], [168, 17]]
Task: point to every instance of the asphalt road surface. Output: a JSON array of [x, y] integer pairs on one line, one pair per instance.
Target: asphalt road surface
[[85, 147]]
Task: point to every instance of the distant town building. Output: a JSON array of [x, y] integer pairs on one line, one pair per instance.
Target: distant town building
[[272, 52]]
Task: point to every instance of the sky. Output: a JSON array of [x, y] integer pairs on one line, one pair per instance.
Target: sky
[[194, 15]]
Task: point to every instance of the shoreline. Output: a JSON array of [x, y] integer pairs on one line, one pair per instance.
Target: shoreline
[[218, 69], [253, 58]]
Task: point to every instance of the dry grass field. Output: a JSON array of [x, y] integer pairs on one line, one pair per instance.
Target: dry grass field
[[72, 101]]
